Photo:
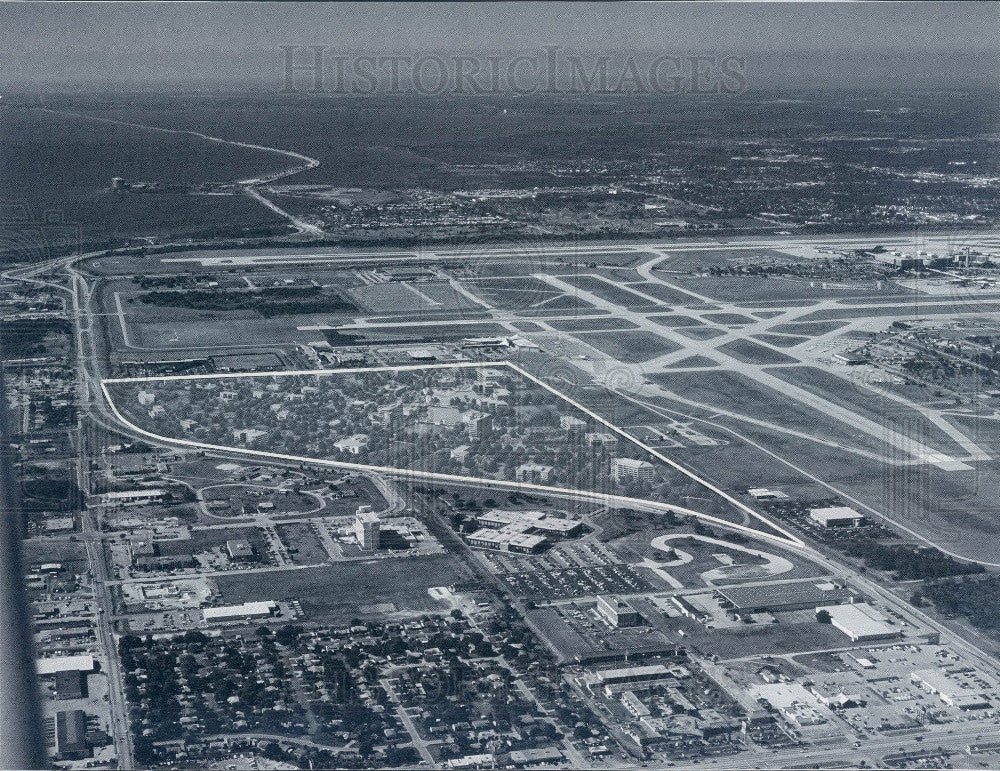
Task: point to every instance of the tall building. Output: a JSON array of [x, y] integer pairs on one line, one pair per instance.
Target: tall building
[[366, 528], [630, 470]]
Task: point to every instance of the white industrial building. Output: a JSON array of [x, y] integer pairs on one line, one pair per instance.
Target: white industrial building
[[860, 621], [132, 497], [836, 516], [243, 612]]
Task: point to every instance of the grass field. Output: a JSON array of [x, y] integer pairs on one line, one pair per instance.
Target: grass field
[[610, 291], [405, 297], [665, 293], [782, 341], [404, 334], [808, 328], [336, 593], [700, 333], [729, 319], [738, 393], [695, 361], [203, 540], [676, 320], [752, 353], [868, 403], [514, 292], [592, 325], [223, 332], [910, 311], [303, 544], [754, 288], [631, 347]]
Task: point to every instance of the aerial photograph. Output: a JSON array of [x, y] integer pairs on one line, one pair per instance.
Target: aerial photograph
[[500, 385]]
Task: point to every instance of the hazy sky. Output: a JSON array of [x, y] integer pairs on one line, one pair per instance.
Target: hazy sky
[[71, 43]]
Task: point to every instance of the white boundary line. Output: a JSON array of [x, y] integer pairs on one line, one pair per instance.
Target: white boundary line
[[616, 501]]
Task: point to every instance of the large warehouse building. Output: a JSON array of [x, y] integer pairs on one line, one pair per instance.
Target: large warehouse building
[[774, 598], [861, 622]]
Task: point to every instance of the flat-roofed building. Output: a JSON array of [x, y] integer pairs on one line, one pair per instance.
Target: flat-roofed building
[[764, 494], [118, 498], [536, 757], [860, 621], [957, 691], [242, 612], [71, 734], [70, 685], [601, 439], [637, 674], [508, 539], [617, 612], [537, 522], [239, 549], [747, 598], [54, 664], [836, 516]]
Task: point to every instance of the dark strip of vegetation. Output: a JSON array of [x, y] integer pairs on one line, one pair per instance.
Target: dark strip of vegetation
[[910, 562], [26, 337], [268, 302]]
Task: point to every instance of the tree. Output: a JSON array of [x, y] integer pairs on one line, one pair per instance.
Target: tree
[[823, 616]]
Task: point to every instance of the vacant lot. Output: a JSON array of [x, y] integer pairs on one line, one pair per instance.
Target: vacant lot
[[204, 540], [631, 347], [303, 544], [337, 593]]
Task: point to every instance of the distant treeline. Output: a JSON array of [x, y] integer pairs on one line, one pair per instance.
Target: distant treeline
[[910, 562], [276, 301]]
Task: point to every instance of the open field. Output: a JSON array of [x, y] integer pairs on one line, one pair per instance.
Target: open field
[[738, 393], [868, 403], [591, 325], [748, 351], [741, 288], [912, 310], [729, 319], [629, 346], [676, 320], [407, 297], [382, 334], [781, 341], [610, 291], [338, 593]]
